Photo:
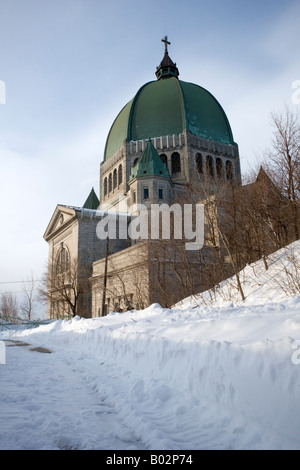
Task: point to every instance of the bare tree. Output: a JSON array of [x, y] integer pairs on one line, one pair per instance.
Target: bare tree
[[289, 277], [62, 287], [9, 307], [123, 288], [284, 160], [229, 226], [29, 296]]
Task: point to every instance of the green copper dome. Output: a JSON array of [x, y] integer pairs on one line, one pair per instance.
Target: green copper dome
[[169, 106]]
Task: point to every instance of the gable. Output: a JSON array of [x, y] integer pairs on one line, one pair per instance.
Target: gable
[[61, 218]]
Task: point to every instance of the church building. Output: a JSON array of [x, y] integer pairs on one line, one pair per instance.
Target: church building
[[172, 141]]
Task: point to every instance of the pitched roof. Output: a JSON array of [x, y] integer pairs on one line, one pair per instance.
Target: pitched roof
[[167, 68], [150, 164], [92, 201]]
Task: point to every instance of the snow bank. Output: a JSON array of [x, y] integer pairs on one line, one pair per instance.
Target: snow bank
[[279, 281], [222, 376], [236, 360]]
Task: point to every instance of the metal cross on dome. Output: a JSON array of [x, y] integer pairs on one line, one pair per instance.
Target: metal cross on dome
[[165, 40]]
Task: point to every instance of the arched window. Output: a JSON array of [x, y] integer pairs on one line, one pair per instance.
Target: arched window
[[135, 161], [109, 182], [164, 158], [229, 170], [175, 163], [62, 260], [105, 186], [199, 163], [120, 174], [209, 166], [219, 168], [115, 178]]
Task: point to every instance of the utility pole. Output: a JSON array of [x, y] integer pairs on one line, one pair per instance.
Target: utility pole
[[105, 277]]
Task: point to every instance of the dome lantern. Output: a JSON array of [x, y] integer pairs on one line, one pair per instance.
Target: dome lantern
[[167, 68]]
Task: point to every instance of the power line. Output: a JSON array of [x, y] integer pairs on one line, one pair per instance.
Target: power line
[[11, 292], [19, 282]]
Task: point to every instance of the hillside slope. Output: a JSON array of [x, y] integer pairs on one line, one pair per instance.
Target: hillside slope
[[260, 286]]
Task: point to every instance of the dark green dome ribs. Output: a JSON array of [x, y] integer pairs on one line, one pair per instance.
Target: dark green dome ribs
[[205, 117], [166, 107]]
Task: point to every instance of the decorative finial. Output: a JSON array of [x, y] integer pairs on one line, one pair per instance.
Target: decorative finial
[[165, 40], [167, 68]]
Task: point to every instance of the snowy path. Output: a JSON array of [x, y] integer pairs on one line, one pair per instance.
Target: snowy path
[[50, 402], [47, 402], [75, 400]]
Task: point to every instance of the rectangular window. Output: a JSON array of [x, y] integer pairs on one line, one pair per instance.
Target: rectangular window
[[134, 197], [146, 193], [160, 193]]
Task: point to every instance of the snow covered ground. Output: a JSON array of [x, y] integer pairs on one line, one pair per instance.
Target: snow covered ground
[[211, 373]]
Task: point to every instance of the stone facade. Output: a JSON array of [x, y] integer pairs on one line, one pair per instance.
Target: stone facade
[[137, 273], [72, 232], [145, 273], [127, 281], [126, 273], [197, 156]]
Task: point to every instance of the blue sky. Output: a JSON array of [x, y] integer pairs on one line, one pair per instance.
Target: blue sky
[[69, 66]]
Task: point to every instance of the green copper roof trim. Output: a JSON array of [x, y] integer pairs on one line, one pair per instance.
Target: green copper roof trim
[[92, 201], [156, 111], [118, 132], [211, 125], [150, 164], [131, 111], [182, 106], [167, 107]]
